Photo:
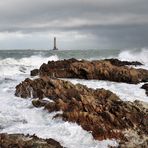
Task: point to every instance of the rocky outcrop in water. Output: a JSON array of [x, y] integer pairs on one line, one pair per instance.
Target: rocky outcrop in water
[[99, 111], [22, 141], [145, 86], [109, 69]]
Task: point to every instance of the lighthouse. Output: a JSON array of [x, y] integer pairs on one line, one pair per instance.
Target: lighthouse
[[55, 44]]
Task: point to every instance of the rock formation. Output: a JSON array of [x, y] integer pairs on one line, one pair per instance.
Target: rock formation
[[109, 69], [99, 111], [22, 141]]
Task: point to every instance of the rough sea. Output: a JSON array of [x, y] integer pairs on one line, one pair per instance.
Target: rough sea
[[18, 115]]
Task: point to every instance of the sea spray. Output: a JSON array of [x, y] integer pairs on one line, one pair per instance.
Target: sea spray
[[140, 55]]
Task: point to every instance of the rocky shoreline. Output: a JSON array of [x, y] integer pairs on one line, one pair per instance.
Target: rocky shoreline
[[99, 111], [26, 141]]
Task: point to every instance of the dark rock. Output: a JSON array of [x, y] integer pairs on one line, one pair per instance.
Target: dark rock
[[108, 116], [145, 86], [117, 62], [39, 103], [34, 72], [22, 141]]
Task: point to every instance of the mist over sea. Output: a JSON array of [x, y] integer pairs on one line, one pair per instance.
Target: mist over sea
[[18, 115]]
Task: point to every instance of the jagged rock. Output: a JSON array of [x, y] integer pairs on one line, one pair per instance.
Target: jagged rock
[[134, 139], [145, 86], [123, 63], [109, 69], [34, 72], [99, 111], [39, 103], [22, 141]]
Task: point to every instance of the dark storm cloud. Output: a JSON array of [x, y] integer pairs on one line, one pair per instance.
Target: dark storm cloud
[[112, 23]]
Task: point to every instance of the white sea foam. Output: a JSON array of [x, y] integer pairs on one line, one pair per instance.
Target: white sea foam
[[11, 66], [135, 55], [126, 92], [29, 61]]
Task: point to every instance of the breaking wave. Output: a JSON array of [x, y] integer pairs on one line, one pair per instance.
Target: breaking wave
[[135, 55], [12, 66], [29, 61]]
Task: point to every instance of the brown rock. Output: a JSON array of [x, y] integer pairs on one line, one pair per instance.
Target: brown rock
[[108, 69], [22, 141], [108, 116], [99, 111]]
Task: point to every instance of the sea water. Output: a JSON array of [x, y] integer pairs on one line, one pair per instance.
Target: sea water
[[18, 115]]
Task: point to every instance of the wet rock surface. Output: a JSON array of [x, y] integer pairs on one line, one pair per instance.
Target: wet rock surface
[[34, 72], [145, 86], [123, 63], [108, 69], [99, 111], [22, 141], [134, 140]]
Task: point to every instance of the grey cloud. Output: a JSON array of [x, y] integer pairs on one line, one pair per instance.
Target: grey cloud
[[112, 23]]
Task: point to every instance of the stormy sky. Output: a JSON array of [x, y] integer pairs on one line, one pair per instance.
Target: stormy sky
[[77, 24]]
